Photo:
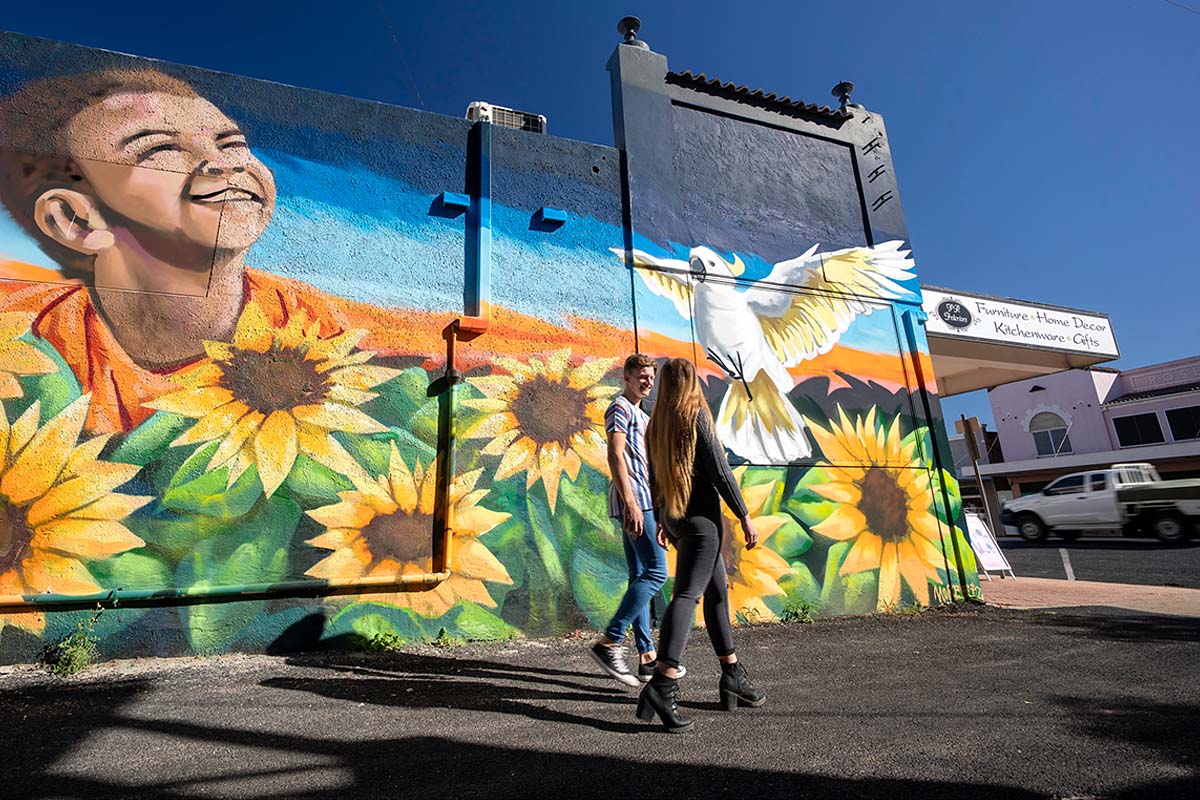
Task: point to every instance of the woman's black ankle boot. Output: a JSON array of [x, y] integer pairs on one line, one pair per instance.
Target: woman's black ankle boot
[[659, 697], [736, 688]]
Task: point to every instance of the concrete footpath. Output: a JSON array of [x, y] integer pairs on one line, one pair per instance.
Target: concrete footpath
[[971, 702], [1050, 593]]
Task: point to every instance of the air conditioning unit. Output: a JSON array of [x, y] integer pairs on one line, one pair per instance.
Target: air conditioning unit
[[506, 117]]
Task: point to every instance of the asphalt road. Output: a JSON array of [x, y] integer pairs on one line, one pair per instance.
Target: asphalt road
[[1109, 559], [978, 703]]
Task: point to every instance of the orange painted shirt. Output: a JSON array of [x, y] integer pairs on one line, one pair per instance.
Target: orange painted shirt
[[67, 318]]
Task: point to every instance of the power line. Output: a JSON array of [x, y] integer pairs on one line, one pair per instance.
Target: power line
[[400, 50], [1185, 8]]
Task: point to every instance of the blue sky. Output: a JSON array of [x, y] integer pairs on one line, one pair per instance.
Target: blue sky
[[1045, 150]]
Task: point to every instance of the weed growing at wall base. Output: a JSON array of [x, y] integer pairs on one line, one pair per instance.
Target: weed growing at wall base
[[77, 651], [800, 611]]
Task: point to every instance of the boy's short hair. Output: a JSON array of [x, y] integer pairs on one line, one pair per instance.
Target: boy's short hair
[[33, 151], [639, 361]]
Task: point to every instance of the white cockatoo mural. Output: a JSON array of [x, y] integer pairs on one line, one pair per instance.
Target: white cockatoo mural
[[754, 335]]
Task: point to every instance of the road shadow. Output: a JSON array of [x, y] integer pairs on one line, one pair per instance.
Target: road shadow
[[1167, 729], [415, 766], [409, 680], [1122, 626]]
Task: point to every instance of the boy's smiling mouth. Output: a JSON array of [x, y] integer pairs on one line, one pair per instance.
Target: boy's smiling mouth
[[233, 194]]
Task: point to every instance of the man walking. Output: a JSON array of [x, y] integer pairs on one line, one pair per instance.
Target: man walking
[[629, 502]]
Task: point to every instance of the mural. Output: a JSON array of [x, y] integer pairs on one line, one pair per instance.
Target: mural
[[222, 364]]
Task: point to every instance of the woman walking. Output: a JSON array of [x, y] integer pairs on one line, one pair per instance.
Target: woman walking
[[689, 478]]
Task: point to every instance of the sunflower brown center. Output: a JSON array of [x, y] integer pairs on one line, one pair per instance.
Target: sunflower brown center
[[884, 504], [277, 380], [401, 537], [15, 535], [550, 411]]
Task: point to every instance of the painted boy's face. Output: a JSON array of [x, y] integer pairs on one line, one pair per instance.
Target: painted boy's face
[[172, 172], [640, 382]]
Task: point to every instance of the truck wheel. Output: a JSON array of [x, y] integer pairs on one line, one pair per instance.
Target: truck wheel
[[1030, 528], [1170, 527], [1068, 536]]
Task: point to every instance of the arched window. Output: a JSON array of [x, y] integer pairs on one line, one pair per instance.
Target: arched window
[[1049, 434]]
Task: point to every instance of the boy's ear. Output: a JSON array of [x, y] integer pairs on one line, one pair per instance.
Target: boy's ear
[[72, 219]]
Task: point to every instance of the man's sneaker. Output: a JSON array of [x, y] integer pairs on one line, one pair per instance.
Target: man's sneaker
[[612, 661], [646, 671]]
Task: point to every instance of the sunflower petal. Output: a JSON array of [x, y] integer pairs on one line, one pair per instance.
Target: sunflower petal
[[254, 331], [520, 455], [213, 425], [912, 571], [85, 538], [324, 449], [589, 373], [50, 572], [336, 417], [236, 439], [889, 578], [844, 523], [866, 554], [34, 471], [194, 403], [275, 450]]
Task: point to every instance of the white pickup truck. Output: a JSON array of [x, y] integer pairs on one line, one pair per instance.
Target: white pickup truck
[[1131, 498]]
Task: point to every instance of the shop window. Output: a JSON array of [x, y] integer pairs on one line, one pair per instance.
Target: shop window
[[1184, 423], [1138, 429], [1050, 434]]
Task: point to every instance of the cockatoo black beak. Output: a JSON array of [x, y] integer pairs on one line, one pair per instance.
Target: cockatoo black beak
[[697, 265]]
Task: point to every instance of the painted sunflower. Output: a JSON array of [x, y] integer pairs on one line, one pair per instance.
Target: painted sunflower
[[384, 527], [19, 358], [274, 392], [544, 418], [884, 505], [754, 574], [57, 507]]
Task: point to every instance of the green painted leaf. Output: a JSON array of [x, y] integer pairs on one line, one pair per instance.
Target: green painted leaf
[[790, 540], [137, 569], [55, 390], [801, 585], [313, 485], [545, 540], [475, 622], [176, 535], [231, 561], [403, 621], [150, 440], [374, 452], [197, 491], [590, 505], [850, 594], [404, 403], [598, 583]]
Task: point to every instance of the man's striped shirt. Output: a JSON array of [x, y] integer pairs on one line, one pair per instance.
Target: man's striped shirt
[[629, 419]]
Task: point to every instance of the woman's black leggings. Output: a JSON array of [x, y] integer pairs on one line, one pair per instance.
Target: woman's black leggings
[[699, 570]]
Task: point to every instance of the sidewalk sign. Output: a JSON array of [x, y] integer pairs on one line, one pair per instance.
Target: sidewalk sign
[[991, 557]]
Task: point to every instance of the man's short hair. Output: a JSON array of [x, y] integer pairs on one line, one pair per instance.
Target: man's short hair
[[33, 151], [639, 361]]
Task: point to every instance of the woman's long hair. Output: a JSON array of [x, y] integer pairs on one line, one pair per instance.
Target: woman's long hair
[[671, 437]]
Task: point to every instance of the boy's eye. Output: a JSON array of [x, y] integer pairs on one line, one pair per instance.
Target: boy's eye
[[159, 148], [238, 144]]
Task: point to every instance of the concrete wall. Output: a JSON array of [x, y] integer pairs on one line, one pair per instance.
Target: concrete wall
[[223, 366]]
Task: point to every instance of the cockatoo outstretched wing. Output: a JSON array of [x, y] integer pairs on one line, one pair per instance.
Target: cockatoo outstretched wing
[[805, 325], [673, 285]]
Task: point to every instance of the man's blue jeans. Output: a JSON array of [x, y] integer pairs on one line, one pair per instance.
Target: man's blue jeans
[[647, 564]]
